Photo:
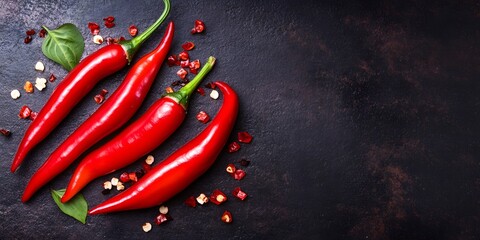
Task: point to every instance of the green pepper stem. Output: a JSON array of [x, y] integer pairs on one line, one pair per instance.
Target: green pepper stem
[[131, 46], [183, 95]]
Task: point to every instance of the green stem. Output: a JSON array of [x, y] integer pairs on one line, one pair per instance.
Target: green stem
[[183, 95], [132, 46]]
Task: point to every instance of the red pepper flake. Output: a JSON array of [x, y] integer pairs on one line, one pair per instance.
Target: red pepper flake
[[194, 66], [239, 174], [201, 91], [27, 39], [98, 98], [33, 115], [203, 117], [187, 46], [30, 32], [244, 137], [124, 178], [185, 64], [227, 217], [173, 61], [218, 197], [5, 132], [52, 78], [182, 73], [133, 30], [230, 168], [133, 176], [233, 147], [210, 85], [191, 202], [198, 27], [109, 19], [244, 162], [237, 192], [146, 167], [161, 218], [109, 24], [25, 112], [94, 28], [183, 56], [42, 33], [169, 89]]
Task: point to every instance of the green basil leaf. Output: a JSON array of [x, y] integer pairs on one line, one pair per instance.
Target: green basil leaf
[[64, 45], [77, 207]]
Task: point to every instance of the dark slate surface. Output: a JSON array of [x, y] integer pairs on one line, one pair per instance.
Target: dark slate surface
[[365, 117]]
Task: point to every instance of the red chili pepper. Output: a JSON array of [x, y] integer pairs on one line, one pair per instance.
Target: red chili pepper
[[114, 112], [78, 83], [139, 138], [181, 168]]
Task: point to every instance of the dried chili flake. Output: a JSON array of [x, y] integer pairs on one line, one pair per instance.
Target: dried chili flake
[[146, 167], [94, 28], [133, 30], [33, 115], [183, 56], [109, 19], [201, 91], [230, 168], [185, 63], [28, 87], [124, 177], [199, 26], [191, 202], [203, 117], [237, 192], [218, 197], [5, 132], [233, 147], [27, 39], [99, 98], [42, 33], [244, 162], [133, 176], [52, 78], [109, 24], [173, 61], [182, 73], [161, 218], [239, 174], [227, 217], [187, 46], [244, 137], [169, 89], [30, 32], [25, 112]]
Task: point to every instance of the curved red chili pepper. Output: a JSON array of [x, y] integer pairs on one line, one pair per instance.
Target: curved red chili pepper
[[181, 168], [139, 138], [77, 84], [111, 115]]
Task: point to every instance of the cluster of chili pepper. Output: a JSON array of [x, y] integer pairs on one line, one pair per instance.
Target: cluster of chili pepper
[[78, 83]]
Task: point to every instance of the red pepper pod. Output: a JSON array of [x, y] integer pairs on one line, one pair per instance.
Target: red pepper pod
[[81, 79], [139, 138], [111, 115], [181, 168]]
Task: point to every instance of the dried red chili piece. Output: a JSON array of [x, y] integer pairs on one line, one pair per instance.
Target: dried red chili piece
[[169, 89], [191, 202], [194, 66], [218, 197], [203, 117], [124, 178], [173, 60], [52, 78], [201, 91], [33, 115], [161, 218], [30, 32], [227, 217], [25, 112], [5, 132], [182, 73], [42, 33], [244, 162], [133, 30], [237, 192], [185, 64], [183, 56], [239, 174], [198, 27], [27, 39], [94, 28], [187, 46], [109, 19], [109, 24], [133, 176], [98, 98], [146, 167], [233, 147], [244, 137], [231, 168]]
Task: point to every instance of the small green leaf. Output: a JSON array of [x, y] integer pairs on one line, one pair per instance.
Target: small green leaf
[[77, 207], [64, 45]]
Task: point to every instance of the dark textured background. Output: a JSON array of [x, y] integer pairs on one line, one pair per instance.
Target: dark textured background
[[365, 117]]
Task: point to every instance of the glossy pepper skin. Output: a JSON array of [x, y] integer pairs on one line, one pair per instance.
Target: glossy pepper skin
[[111, 115], [139, 138], [78, 82], [181, 168]]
